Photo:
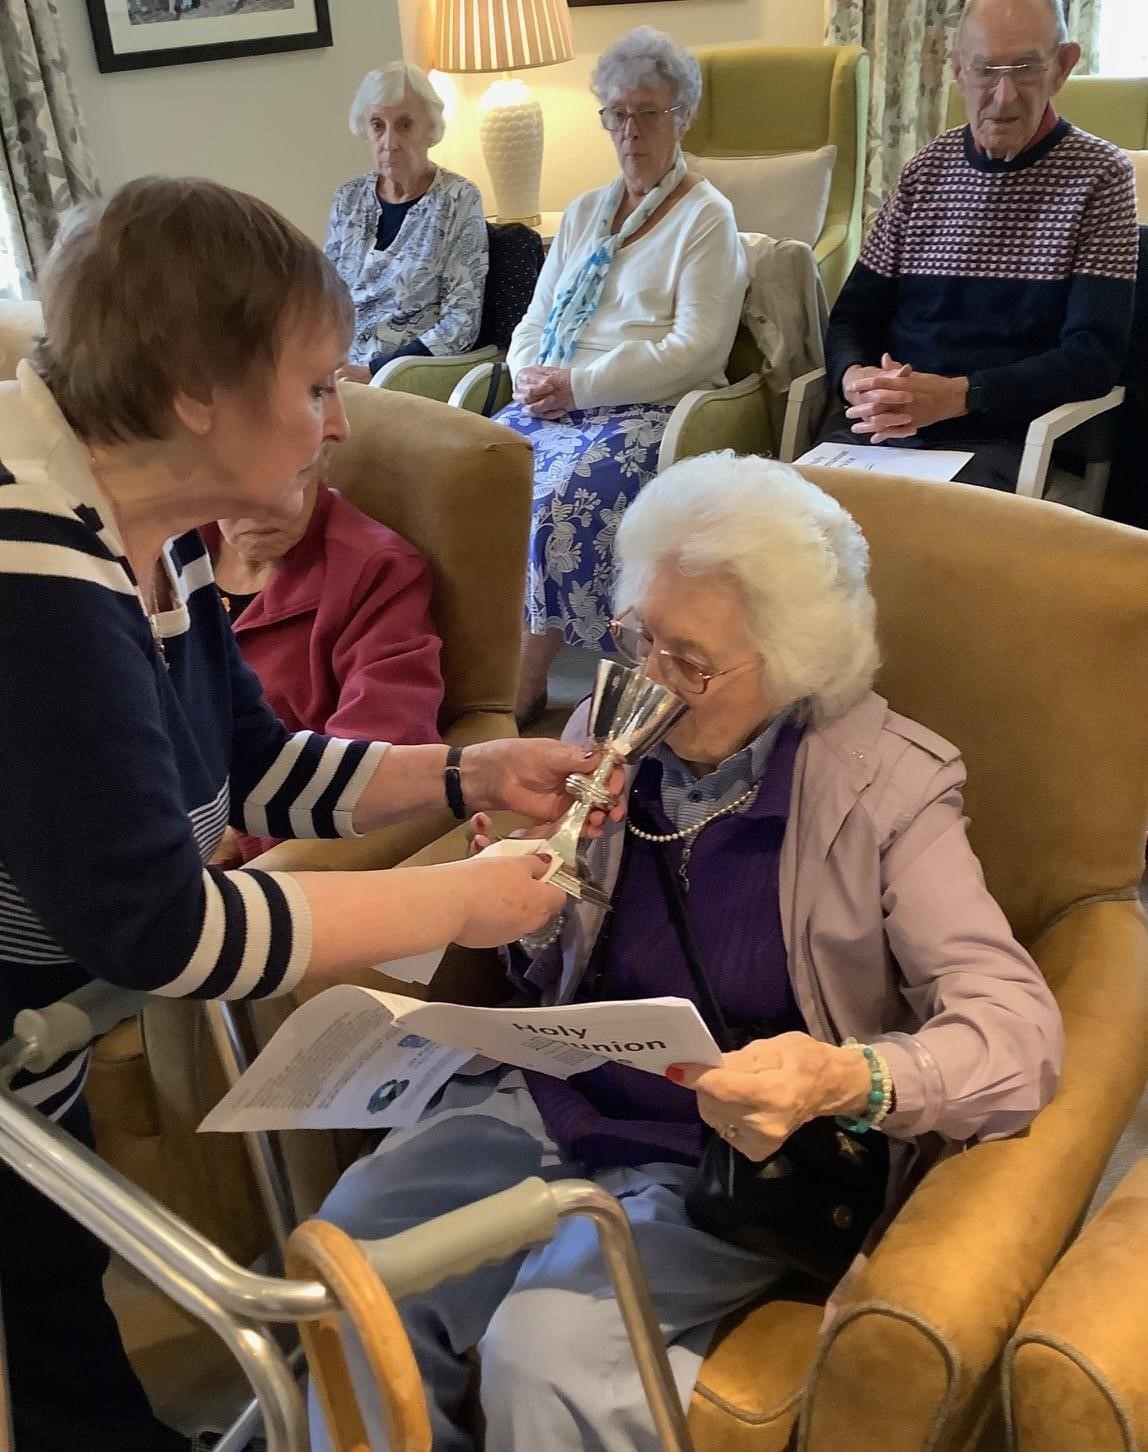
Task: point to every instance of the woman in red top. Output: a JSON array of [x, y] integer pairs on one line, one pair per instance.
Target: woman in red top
[[332, 611]]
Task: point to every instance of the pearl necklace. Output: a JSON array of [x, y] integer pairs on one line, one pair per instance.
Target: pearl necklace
[[687, 833], [697, 827]]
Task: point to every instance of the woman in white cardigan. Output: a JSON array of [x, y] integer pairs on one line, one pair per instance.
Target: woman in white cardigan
[[637, 305]]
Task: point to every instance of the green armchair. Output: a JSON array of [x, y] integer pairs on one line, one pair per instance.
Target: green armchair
[[738, 417], [1114, 107], [434, 378], [771, 99]]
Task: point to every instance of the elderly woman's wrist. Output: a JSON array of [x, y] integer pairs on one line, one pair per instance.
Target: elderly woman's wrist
[[852, 1083]]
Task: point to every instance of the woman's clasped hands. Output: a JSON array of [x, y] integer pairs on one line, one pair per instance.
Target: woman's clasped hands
[[544, 392]]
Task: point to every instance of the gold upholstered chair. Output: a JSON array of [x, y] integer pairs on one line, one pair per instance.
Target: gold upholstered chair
[[1017, 630], [1075, 1372]]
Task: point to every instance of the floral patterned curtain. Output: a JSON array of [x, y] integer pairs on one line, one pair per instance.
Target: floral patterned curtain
[[908, 43], [46, 162], [1084, 28]]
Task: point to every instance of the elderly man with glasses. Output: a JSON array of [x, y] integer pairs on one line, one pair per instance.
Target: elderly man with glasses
[[998, 280]]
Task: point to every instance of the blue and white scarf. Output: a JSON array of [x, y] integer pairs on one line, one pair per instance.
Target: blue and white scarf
[[578, 301]]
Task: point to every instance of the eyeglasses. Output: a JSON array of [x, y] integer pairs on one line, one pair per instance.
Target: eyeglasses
[[1024, 74], [614, 118], [680, 674]]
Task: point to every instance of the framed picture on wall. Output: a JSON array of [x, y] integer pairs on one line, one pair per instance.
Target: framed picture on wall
[[132, 35]]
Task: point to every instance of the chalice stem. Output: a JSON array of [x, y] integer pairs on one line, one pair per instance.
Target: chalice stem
[[590, 792]]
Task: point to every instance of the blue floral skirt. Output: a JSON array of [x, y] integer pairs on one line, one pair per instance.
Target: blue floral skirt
[[587, 468]]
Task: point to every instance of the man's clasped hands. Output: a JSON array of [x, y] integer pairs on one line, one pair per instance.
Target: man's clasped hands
[[895, 402]]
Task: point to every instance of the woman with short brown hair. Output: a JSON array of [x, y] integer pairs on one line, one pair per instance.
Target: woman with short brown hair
[[187, 373]]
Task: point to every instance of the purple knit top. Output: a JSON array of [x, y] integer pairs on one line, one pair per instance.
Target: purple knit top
[[616, 1115]]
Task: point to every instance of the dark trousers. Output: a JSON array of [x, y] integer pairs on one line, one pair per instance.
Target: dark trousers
[[72, 1386], [995, 463]]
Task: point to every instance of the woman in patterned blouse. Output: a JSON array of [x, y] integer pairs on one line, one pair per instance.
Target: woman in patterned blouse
[[409, 238]]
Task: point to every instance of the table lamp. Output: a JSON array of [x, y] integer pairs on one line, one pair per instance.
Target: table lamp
[[474, 36]]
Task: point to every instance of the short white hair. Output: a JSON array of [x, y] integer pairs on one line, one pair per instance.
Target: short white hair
[[387, 87], [1055, 10], [643, 58], [798, 558]]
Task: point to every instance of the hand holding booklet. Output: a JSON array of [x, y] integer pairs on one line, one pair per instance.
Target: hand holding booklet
[[355, 1058]]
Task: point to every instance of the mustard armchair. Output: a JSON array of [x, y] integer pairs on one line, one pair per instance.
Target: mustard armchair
[[1114, 107], [1075, 1373], [988, 605], [458, 488], [770, 99]]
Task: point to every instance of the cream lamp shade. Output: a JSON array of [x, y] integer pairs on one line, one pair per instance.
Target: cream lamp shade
[[506, 35]]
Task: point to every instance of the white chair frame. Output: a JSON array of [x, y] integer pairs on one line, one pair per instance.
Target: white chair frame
[[1037, 479]]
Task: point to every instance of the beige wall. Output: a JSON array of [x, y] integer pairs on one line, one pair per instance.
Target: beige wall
[[273, 125], [578, 152], [276, 125]]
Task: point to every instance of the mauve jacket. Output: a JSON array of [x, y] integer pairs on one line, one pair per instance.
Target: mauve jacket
[[891, 934], [341, 636]]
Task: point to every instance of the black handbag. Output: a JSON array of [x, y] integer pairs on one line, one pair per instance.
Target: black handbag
[[812, 1204]]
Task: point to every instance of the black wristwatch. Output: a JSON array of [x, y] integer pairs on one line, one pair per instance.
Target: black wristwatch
[[975, 398]]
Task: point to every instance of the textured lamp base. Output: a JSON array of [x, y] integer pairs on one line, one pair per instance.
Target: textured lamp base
[[510, 129]]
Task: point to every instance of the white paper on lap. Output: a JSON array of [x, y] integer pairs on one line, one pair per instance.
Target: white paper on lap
[[936, 464]]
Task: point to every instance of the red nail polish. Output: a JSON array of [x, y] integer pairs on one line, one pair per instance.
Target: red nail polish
[[674, 1074]]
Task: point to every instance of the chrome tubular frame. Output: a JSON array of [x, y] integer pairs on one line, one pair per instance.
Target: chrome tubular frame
[[239, 1305]]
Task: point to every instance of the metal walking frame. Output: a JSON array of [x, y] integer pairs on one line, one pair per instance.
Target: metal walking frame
[[242, 1306]]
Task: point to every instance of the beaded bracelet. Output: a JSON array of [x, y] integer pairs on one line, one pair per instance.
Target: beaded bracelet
[[880, 1092], [538, 943]]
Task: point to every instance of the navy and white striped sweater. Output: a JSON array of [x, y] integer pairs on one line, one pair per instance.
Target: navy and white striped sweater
[[120, 767]]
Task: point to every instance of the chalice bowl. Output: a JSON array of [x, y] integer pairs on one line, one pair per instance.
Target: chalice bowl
[[629, 715]]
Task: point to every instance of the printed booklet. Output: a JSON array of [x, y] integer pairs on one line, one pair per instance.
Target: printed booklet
[[355, 1058]]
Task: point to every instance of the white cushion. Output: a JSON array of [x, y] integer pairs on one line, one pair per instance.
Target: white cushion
[[1139, 160], [782, 196]]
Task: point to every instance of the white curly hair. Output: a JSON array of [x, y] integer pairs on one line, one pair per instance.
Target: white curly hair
[[798, 558], [643, 58], [387, 87]]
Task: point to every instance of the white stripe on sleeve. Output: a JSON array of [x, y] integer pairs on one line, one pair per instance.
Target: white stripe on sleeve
[[23, 557], [205, 959], [255, 807], [343, 814], [257, 942]]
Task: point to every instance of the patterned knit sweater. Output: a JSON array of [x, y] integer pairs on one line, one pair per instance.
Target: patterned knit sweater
[[1018, 274]]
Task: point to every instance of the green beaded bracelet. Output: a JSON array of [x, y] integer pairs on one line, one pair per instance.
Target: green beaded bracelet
[[880, 1091]]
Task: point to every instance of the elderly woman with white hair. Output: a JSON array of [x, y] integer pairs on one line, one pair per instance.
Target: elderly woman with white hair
[[409, 239], [815, 843], [637, 305]]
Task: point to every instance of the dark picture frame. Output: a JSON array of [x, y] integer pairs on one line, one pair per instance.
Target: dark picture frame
[[192, 38]]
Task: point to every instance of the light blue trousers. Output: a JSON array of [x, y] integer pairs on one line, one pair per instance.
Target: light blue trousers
[[557, 1373]]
